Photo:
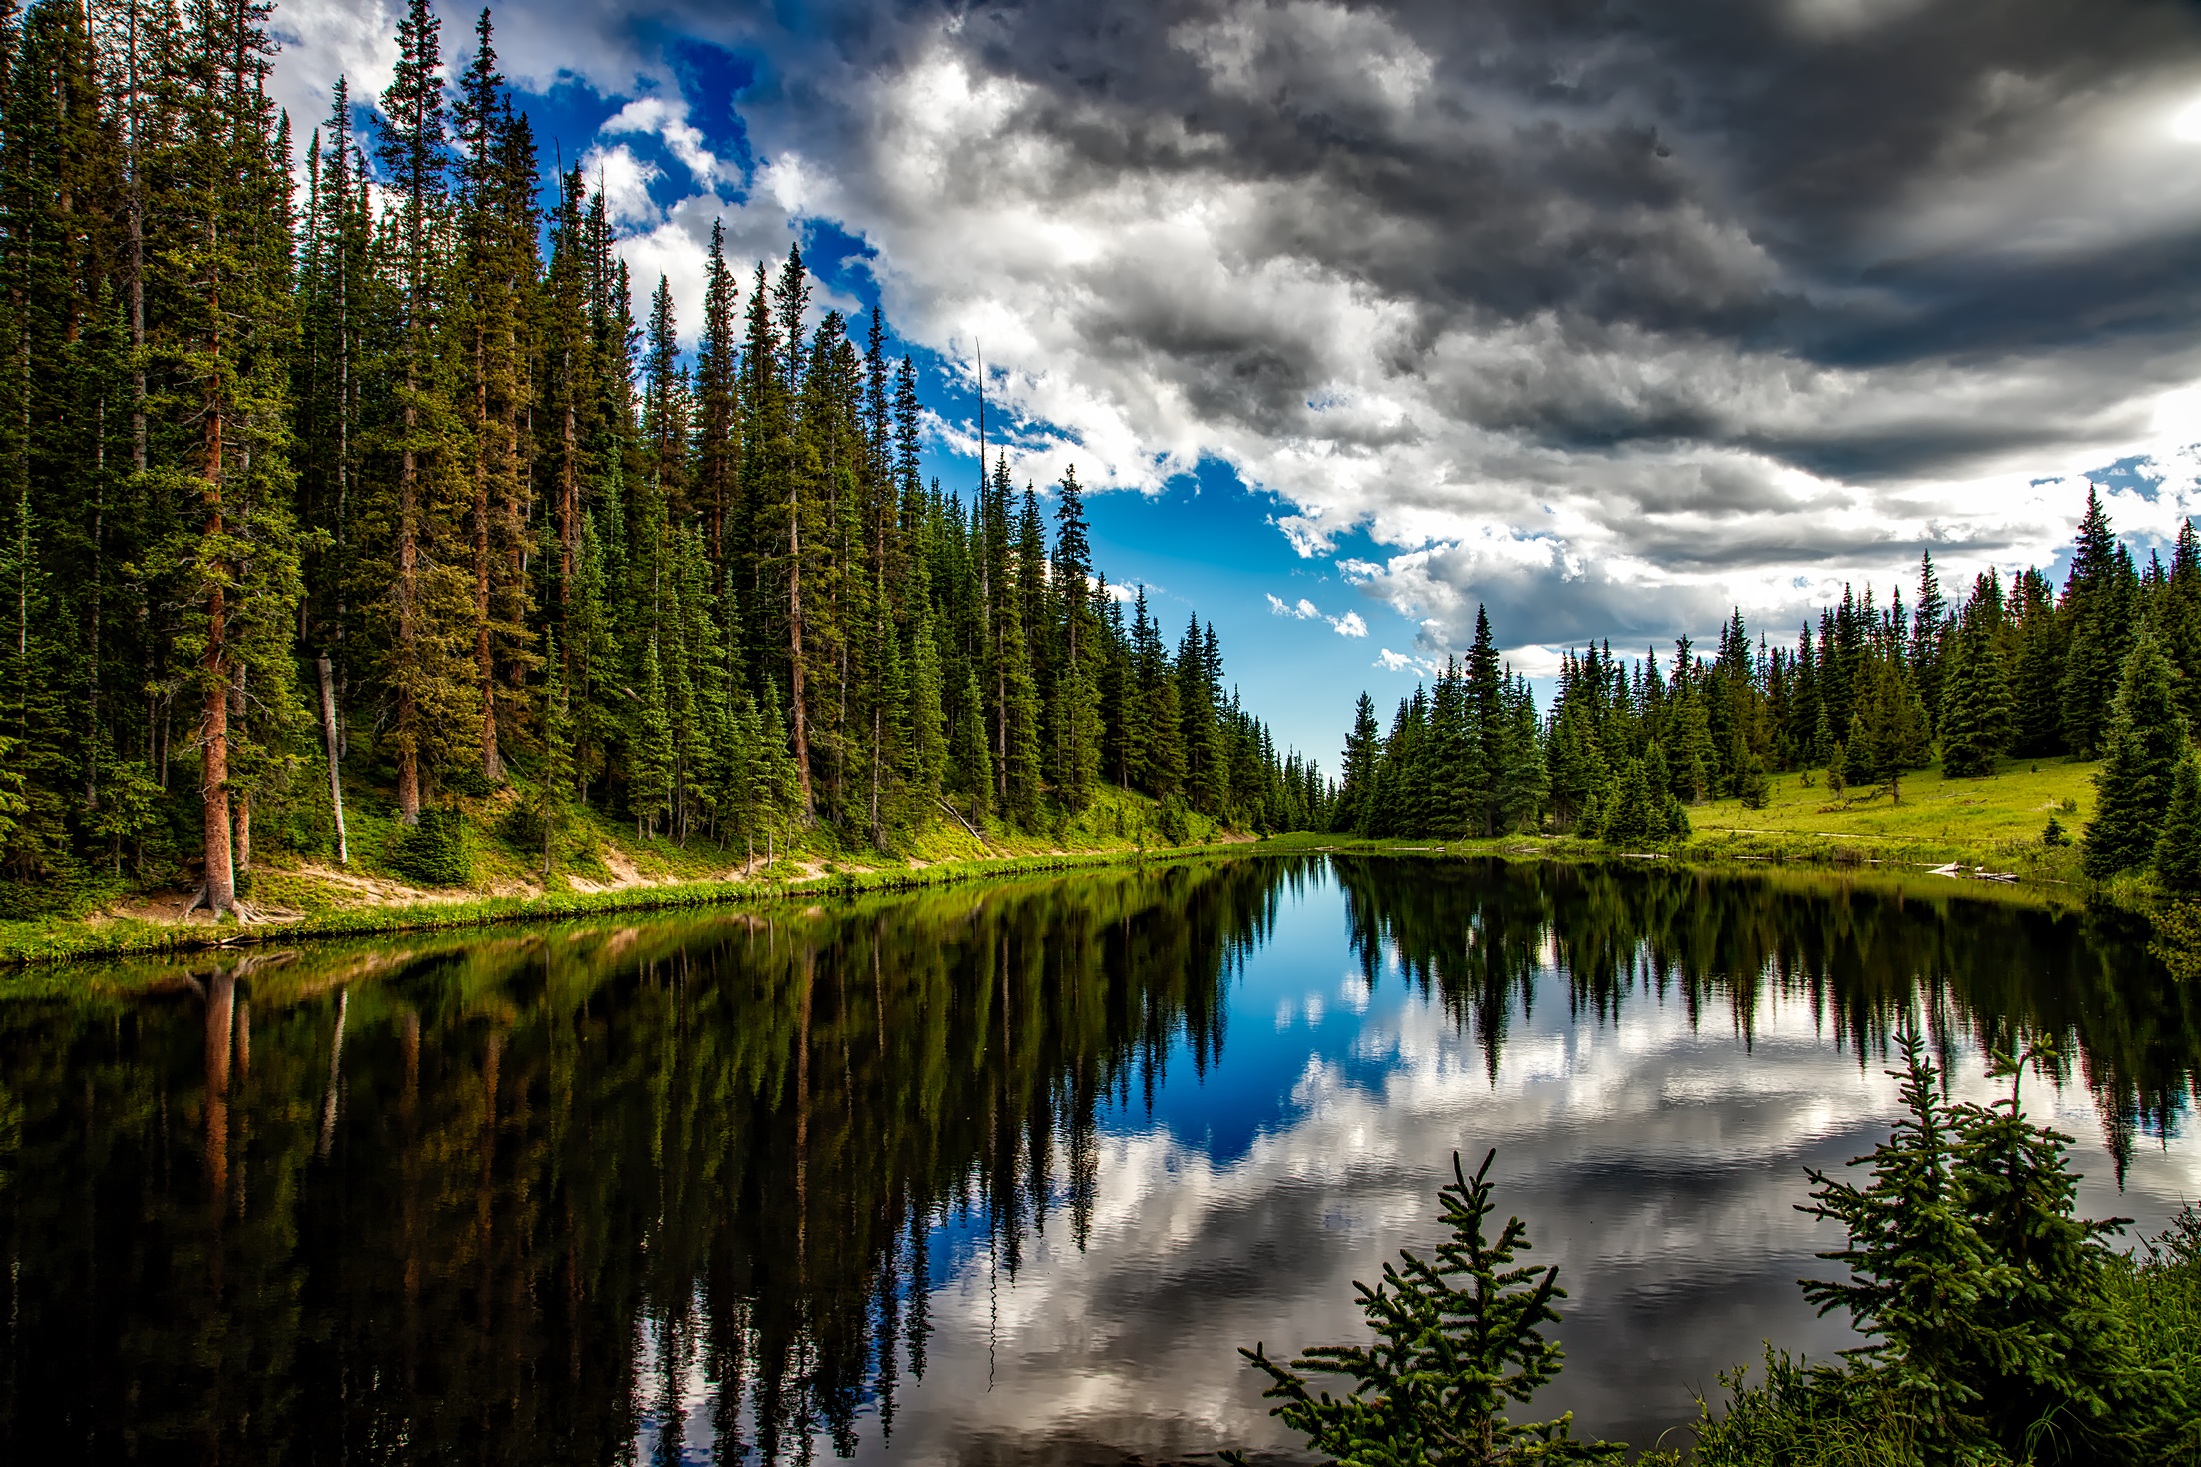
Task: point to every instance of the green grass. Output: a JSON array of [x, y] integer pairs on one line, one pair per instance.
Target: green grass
[[1982, 817], [600, 865], [1994, 823]]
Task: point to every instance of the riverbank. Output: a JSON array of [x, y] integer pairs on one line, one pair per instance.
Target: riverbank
[[1984, 839], [599, 868], [1978, 838]]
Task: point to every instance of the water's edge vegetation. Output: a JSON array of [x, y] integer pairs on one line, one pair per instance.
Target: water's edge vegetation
[[2000, 1329], [1889, 865]]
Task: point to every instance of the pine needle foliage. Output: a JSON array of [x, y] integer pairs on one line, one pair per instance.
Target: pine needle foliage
[[1984, 1299], [1458, 1337]]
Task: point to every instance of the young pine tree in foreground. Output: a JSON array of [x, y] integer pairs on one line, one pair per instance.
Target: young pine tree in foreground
[[1457, 1337], [1985, 1301]]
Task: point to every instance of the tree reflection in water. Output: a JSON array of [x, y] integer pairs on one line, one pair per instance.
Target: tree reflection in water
[[1478, 936], [577, 1193]]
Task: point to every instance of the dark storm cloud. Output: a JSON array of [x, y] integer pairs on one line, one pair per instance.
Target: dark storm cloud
[[1703, 297]]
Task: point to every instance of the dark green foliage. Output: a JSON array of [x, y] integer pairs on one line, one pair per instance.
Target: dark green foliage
[[1984, 1300], [2053, 833], [1756, 789], [2144, 741], [1863, 694], [2178, 847], [1171, 821], [1638, 809], [2098, 610], [1975, 703], [432, 852], [1459, 1338]]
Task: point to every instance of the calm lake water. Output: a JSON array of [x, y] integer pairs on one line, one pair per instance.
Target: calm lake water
[[996, 1174]]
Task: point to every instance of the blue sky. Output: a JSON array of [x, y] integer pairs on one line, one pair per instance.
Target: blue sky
[[1360, 317]]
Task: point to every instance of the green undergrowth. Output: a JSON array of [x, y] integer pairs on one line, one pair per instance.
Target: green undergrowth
[[1789, 1413], [477, 860], [39, 942]]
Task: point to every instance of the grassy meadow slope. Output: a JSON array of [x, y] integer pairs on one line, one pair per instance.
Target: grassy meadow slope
[[1996, 822], [599, 864]]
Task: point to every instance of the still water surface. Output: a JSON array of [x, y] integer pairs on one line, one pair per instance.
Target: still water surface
[[996, 1174]]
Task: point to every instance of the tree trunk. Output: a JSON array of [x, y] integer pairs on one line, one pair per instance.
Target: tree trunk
[[408, 708], [492, 766], [794, 644], [221, 879], [241, 823], [328, 730]]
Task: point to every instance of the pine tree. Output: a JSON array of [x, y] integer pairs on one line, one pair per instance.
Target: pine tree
[[2038, 679], [1460, 1336], [2178, 846], [1983, 1297], [227, 273], [1975, 704], [1363, 751], [493, 276], [2096, 606], [1929, 644], [2143, 745], [420, 593], [650, 787]]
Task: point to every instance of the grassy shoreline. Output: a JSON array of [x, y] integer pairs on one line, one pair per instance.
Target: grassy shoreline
[[1989, 824], [69, 939]]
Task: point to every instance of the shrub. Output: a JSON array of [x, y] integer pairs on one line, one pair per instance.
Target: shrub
[[467, 780], [1756, 788], [1175, 821], [434, 852], [523, 826]]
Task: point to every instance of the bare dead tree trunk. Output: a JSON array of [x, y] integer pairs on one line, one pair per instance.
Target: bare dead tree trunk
[[328, 733]]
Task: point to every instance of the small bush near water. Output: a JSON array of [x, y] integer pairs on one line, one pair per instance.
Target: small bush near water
[[2000, 1329], [433, 853]]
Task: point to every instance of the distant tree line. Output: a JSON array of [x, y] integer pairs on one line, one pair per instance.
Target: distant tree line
[[2108, 668], [396, 447]]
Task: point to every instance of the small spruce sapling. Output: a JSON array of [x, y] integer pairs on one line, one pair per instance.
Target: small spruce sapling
[[1457, 1337]]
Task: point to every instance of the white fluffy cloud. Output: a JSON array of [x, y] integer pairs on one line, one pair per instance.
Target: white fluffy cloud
[[1351, 624], [667, 118]]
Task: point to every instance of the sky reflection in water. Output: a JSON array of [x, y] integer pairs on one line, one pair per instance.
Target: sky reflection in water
[[990, 1175], [1658, 1154]]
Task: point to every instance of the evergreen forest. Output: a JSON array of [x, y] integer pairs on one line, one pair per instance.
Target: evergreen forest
[[358, 459], [2108, 668]]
